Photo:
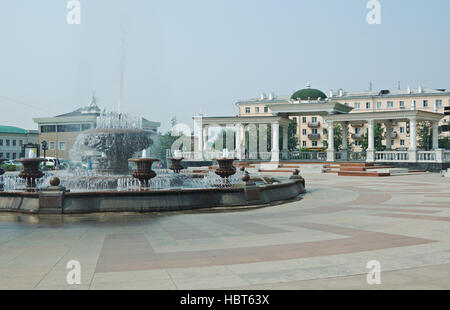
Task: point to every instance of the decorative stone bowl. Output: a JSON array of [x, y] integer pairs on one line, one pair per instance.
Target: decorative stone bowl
[[31, 171], [176, 164], [226, 168], [144, 170]]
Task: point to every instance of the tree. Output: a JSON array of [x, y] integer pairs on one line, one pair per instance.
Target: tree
[[161, 145], [337, 137], [425, 135], [378, 138], [292, 136], [444, 143]]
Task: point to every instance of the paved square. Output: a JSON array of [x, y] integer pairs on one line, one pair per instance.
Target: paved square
[[322, 241]]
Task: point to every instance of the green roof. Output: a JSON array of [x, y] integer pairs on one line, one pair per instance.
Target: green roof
[[12, 129], [308, 94]]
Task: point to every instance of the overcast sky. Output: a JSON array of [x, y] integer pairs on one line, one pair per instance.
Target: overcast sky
[[186, 56]]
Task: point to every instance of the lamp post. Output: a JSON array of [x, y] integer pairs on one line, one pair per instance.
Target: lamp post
[[44, 148]]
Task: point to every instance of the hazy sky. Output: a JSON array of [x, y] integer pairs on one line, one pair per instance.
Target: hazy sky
[[186, 56]]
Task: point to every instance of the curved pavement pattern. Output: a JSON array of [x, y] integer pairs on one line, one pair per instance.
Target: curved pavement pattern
[[323, 241]]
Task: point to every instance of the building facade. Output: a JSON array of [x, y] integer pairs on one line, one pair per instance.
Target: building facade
[[13, 140], [312, 131], [60, 132]]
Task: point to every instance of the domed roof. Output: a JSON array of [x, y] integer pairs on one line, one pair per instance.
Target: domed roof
[[308, 93]]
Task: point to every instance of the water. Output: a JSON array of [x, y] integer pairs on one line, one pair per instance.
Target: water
[[88, 181]]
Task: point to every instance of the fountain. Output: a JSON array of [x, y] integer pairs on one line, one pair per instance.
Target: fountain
[[144, 170], [117, 137], [31, 171], [226, 168], [109, 187], [176, 164]]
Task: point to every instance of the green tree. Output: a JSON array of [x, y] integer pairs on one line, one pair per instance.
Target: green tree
[[425, 135], [337, 137], [292, 136], [378, 138], [444, 143], [161, 145]]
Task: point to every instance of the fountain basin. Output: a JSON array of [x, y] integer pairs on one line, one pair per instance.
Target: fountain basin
[[61, 202]]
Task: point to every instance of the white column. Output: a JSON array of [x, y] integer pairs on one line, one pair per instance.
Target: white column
[[435, 135], [330, 150], [388, 126], [238, 130], [198, 131], [275, 142], [413, 140], [285, 150], [205, 141], [371, 142]]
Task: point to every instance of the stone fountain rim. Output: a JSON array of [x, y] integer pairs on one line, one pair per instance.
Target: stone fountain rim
[[140, 160]]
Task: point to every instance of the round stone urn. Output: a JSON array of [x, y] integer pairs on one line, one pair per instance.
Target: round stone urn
[[31, 171], [144, 170], [226, 168], [176, 164]]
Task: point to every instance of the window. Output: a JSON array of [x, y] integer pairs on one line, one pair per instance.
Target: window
[[304, 119], [51, 146], [314, 143], [256, 109], [14, 155], [1, 143], [266, 109], [357, 105], [304, 143], [390, 104], [357, 131], [294, 119], [358, 143], [402, 142], [20, 142], [402, 104], [1, 155], [247, 110], [69, 128], [85, 127], [438, 103], [425, 103], [314, 131], [7, 142], [7, 156], [402, 129], [314, 119], [379, 104], [62, 146], [304, 132], [367, 105], [48, 128], [14, 142]]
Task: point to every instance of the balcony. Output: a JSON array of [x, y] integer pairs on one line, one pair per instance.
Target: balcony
[[314, 136], [358, 125], [357, 136], [314, 125]]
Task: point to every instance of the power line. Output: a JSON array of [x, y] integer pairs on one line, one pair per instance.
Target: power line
[[23, 103]]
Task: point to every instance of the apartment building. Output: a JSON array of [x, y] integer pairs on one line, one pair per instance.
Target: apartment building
[[312, 131]]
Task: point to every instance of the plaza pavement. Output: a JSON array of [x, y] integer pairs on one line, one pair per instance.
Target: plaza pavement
[[322, 241]]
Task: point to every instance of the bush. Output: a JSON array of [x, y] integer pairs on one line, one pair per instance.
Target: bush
[[9, 167]]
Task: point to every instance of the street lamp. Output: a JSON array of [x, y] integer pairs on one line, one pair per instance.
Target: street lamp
[[44, 147]]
